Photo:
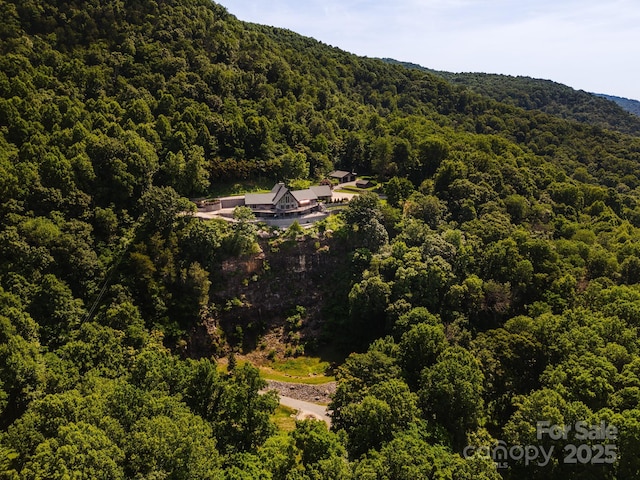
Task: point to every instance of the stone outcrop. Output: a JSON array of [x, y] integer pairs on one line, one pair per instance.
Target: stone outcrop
[[254, 294]]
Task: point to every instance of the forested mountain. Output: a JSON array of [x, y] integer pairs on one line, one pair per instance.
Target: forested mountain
[[494, 289], [631, 106], [547, 96]]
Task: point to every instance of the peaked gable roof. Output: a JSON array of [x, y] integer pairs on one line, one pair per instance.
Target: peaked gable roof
[[280, 191], [273, 197]]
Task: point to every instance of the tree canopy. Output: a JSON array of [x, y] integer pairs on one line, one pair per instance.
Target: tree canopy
[[491, 283]]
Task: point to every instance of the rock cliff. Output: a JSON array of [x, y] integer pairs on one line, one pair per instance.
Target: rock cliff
[[255, 295]]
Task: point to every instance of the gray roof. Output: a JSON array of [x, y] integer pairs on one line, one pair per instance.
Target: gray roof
[[279, 190], [258, 198], [276, 193], [321, 190], [301, 195], [341, 173], [277, 187]]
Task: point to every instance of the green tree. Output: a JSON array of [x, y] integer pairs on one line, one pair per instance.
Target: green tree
[[202, 242], [294, 166], [368, 424], [630, 270], [179, 447], [79, 450], [203, 388], [243, 239], [431, 152], [451, 391], [373, 235], [544, 405], [398, 189], [387, 408], [408, 456], [368, 301], [162, 207], [245, 466], [428, 208], [126, 317], [413, 317], [419, 348], [279, 455], [628, 425], [362, 209], [188, 173], [93, 346], [7, 456], [362, 371], [242, 420], [448, 172], [56, 310], [512, 361], [588, 378], [22, 372], [315, 442]]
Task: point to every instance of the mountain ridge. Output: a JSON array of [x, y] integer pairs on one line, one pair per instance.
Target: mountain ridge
[[629, 104], [545, 95]]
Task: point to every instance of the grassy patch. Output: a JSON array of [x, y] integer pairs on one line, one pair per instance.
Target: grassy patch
[[352, 189], [309, 370], [269, 374], [335, 208], [284, 418], [301, 366]]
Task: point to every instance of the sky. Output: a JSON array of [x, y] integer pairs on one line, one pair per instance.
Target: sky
[[591, 45]]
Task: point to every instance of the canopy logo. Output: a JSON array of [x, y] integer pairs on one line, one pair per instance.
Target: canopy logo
[[580, 443]]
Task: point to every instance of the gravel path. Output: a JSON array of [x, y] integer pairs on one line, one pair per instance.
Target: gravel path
[[301, 391], [309, 400]]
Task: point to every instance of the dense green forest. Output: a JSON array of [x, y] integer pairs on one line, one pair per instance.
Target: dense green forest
[[632, 106], [496, 287], [547, 96]]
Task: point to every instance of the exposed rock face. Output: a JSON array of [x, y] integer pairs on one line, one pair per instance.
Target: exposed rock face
[[247, 265], [254, 294]]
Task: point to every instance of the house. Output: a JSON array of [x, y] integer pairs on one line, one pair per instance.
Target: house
[[283, 202], [343, 176]]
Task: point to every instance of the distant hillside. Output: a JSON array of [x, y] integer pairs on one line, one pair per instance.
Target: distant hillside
[[548, 96], [631, 106]]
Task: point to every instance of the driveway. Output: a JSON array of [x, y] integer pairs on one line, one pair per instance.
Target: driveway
[[304, 393], [307, 409], [337, 196]]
